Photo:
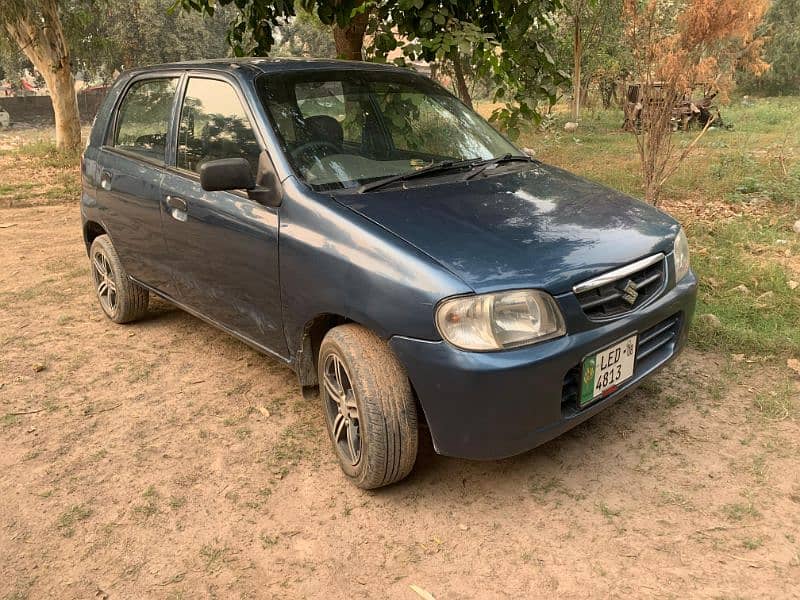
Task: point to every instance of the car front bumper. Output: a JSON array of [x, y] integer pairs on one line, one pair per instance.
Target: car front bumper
[[493, 405]]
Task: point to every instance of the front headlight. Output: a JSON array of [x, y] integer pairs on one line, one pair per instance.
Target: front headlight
[[500, 320], [681, 254]]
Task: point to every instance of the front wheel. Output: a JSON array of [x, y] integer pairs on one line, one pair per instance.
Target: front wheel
[[369, 407]]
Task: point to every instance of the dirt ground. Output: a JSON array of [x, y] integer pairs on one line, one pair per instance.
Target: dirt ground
[[167, 460]]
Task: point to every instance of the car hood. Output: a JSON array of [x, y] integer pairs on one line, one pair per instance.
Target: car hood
[[539, 227]]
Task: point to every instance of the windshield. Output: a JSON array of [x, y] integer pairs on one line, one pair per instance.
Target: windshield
[[343, 129]]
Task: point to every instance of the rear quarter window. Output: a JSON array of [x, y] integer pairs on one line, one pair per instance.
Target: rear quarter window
[[143, 118]]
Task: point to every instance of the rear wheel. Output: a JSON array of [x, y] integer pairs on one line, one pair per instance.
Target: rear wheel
[[121, 299], [369, 407]]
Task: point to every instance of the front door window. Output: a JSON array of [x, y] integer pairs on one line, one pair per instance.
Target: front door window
[[214, 125]]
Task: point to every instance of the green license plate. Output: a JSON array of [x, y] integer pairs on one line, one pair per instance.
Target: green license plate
[[604, 372]]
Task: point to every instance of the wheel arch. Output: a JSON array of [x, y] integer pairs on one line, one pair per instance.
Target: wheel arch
[[310, 341], [305, 363], [91, 231]]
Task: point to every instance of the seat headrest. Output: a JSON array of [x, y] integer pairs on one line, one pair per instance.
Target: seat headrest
[[325, 128]]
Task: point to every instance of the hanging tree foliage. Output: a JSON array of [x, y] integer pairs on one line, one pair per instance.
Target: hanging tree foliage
[[505, 42]]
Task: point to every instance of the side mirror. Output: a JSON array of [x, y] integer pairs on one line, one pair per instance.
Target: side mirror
[[226, 174], [268, 190]]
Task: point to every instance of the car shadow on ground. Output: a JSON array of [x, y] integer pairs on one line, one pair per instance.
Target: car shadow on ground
[[581, 446]]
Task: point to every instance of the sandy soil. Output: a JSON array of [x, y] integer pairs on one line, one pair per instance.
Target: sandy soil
[[167, 460]]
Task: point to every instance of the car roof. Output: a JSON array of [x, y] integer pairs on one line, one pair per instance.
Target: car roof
[[257, 65]]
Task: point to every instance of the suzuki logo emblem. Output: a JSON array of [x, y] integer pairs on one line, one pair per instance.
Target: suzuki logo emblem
[[629, 293]]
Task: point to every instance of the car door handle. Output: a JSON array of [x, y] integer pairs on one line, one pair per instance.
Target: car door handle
[[175, 203], [105, 181], [177, 208]]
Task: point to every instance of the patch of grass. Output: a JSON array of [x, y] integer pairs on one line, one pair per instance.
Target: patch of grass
[[150, 506], [763, 115], [99, 455], [739, 511], [10, 420], [608, 512], [753, 543], [776, 404], [70, 517], [651, 387], [541, 487], [43, 153], [261, 498], [752, 172], [293, 444], [759, 468], [176, 502], [762, 316], [240, 388], [8, 189], [140, 372], [677, 499], [65, 319], [42, 291], [41, 174], [215, 556], [268, 540]]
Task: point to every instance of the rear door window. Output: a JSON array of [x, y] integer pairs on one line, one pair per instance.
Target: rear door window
[[214, 125], [144, 117]]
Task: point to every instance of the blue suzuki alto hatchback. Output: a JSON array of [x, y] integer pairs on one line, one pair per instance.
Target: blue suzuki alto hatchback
[[359, 223]]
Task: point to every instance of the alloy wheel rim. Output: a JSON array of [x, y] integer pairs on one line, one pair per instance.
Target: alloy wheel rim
[[342, 410], [104, 282]]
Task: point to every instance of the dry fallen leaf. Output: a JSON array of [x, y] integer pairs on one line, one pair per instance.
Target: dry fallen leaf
[[263, 411], [742, 289], [792, 284], [737, 357], [794, 365]]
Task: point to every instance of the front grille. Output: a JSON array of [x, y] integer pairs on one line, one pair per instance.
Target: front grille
[[613, 298], [653, 347]]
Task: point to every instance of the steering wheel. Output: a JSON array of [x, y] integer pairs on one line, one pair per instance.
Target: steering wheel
[[303, 149]]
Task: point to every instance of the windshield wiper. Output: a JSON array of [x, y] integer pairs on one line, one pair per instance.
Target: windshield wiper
[[445, 165], [480, 167]]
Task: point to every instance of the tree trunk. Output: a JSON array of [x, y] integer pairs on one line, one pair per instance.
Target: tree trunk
[[576, 70], [61, 84], [39, 35], [461, 82], [350, 39]]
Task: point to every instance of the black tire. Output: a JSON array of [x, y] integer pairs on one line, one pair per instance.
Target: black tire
[[386, 411], [129, 300]]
